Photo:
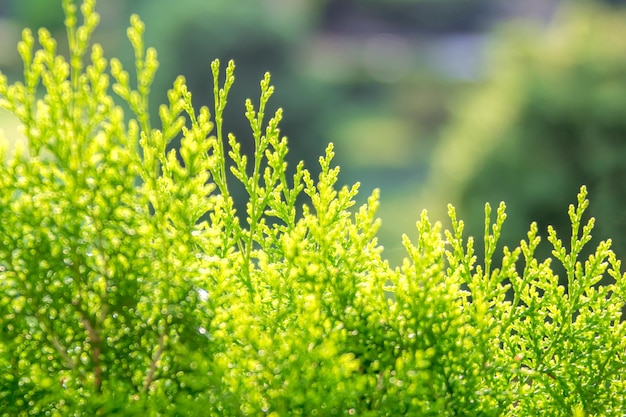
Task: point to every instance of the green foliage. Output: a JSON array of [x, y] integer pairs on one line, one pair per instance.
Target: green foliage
[[130, 285]]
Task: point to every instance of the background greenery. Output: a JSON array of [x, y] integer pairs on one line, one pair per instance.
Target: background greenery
[[551, 117], [401, 86]]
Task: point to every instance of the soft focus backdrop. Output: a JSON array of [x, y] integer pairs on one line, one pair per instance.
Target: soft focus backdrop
[[434, 102]]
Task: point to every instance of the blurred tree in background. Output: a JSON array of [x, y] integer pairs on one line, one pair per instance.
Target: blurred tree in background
[[551, 116], [378, 79]]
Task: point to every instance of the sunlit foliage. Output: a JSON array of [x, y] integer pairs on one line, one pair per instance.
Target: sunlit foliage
[[129, 284]]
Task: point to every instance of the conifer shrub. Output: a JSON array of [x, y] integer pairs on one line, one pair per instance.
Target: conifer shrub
[[129, 285]]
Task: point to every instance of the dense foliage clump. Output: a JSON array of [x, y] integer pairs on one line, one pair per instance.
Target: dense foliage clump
[[129, 284]]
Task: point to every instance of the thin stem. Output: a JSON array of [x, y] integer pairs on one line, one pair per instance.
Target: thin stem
[[61, 350], [154, 363]]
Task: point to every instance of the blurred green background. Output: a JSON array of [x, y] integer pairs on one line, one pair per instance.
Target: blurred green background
[[434, 102]]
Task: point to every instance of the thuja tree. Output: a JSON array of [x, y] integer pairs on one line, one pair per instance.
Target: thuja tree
[[129, 285]]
